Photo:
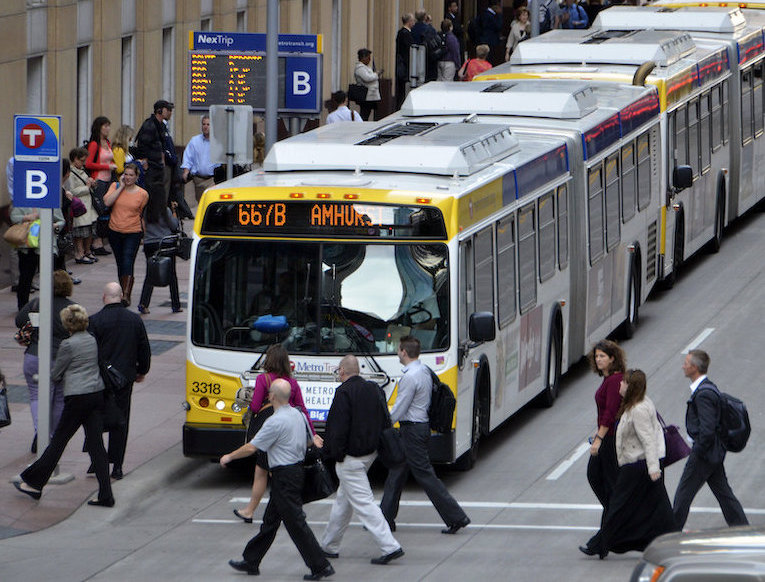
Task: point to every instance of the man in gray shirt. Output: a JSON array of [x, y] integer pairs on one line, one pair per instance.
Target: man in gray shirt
[[411, 412], [284, 436]]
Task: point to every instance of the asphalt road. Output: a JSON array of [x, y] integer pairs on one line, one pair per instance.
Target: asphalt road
[[527, 496]]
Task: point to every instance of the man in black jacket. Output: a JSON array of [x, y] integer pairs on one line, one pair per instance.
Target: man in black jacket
[[705, 463], [151, 149], [403, 43], [123, 343], [354, 424]]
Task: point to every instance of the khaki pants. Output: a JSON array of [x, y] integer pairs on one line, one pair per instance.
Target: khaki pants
[[201, 184]]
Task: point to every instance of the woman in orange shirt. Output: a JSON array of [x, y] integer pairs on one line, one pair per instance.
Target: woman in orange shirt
[[127, 201]]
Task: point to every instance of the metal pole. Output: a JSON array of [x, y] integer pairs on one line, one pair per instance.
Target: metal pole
[[272, 72], [45, 330], [229, 143], [534, 6]]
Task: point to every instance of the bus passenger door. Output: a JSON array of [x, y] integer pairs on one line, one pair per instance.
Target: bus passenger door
[[466, 373]]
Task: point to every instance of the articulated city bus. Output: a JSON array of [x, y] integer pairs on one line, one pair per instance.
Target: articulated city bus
[[745, 43], [356, 235], [693, 80]]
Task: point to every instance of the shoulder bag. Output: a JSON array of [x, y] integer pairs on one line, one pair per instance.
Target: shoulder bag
[[17, 234], [674, 443], [318, 482], [5, 411], [357, 93], [390, 449]]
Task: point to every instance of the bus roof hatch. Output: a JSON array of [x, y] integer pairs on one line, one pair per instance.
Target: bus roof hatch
[[616, 47], [722, 20], [400, 146], [559, 99]]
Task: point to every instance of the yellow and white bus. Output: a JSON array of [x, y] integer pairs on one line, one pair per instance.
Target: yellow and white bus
[[482, 241], [744, 38], [693, 79]]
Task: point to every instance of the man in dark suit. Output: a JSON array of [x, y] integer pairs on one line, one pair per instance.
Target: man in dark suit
[[705, 463], [453, 14], [491, 32], [354, 425], [403, 42], [123, 343]]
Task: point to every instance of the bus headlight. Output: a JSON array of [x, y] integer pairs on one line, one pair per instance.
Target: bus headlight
[[220, 405], [236, 407]]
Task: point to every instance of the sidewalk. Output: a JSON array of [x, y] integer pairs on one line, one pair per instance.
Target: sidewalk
[[156, 417]]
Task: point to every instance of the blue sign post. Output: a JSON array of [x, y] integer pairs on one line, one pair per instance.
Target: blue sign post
[[37, 161], [37, 184]]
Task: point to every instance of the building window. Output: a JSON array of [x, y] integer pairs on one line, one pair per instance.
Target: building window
[[128, 76], [84, 92], [241, 21], [168, 65], [206, 24]]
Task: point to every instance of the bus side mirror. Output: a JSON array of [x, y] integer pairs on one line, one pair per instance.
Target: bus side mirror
[[481, 327], [682, 177]]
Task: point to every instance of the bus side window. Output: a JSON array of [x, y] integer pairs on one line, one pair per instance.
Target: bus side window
[[465, 287], [746, 106], [527, 258], [546, 215], [757, 97], [612, 201], [506, 304], [681, 137], [629, 182], [717, 122], [484, 270], [595, 212], [644, 171], [562, 227], [693, 136], [705, 107], [725, 109]]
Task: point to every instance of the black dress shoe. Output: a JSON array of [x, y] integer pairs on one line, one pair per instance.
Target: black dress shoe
[[243, 518], [325, 573], [587, 551], [332, 555], [117, 473], [382, 560], [102, 502], [454, 528], [34, 494], [244, 566], [101, 252]]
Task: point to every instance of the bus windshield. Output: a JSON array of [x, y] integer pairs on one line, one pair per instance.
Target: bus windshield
[[319, 298]]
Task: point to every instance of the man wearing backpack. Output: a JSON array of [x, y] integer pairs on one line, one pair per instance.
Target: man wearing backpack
[[411, 412], [705, 463]]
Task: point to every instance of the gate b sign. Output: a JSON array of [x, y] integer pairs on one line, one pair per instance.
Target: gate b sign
[[37, 161]]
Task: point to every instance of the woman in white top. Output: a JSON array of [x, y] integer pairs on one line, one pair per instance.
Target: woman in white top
[[639, 509], [367, 76], [520, 30]]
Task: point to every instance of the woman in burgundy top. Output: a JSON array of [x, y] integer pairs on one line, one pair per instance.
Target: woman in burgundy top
[[276, 365], [607, 359]]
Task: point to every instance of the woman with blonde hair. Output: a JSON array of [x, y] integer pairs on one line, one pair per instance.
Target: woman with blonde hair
[[639, 508], [77, 365], [120, 146]]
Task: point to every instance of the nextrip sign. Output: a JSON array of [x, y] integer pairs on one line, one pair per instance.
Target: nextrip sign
[[229, 68], [37, 161]]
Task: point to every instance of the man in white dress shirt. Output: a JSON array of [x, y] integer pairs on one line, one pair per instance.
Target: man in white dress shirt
[[196, 160]]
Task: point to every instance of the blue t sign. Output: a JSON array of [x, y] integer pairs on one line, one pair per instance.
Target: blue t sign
[[37, 163]]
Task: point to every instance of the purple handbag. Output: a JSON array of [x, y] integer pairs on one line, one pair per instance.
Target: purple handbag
[[78, 207], [676, 447]]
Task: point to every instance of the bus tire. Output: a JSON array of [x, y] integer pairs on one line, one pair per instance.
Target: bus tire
[[554, 364], [716, 242], [633, 300], [480, 422], [678, 248]]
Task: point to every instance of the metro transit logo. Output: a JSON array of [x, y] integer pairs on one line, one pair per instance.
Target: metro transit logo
[[37, 138]]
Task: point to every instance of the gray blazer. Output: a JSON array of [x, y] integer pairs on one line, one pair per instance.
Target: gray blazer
[[77, 364]]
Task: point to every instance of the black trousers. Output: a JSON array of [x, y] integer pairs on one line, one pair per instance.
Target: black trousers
[[118, 436], [79, 410], [415, 438], [286, 505], [366, 108], [175, 299], [29, 261], [697, 472]]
